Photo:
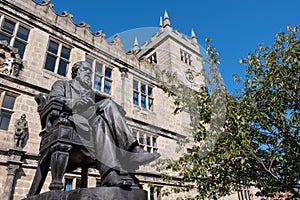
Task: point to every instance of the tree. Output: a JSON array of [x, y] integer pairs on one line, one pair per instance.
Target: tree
[[258, 143]]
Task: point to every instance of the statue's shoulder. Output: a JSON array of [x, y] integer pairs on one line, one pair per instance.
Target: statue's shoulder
[[61, 83]]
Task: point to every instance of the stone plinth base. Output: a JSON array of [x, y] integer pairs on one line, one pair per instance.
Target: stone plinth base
[[102, 193]]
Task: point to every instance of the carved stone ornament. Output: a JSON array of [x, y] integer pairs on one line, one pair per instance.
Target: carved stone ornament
[[10, 61]]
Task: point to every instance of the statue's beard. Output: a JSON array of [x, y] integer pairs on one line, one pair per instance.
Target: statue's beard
[[86, 82]]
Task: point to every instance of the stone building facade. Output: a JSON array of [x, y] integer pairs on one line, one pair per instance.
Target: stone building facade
[[39, 46]]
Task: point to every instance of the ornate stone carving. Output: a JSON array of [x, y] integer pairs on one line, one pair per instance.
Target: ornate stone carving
[[10, 61]]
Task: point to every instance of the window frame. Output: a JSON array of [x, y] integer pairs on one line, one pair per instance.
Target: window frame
[[149, 98], [98, 183], [94, 63], [58, 56], [4, 93], [65, 183], [155, 192], [244, 194], [144, 144], [74, 180], [152, 59], [185, 57], [13, 36]]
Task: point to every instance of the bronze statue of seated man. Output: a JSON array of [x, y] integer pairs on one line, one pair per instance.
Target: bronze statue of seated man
[[101, 126]]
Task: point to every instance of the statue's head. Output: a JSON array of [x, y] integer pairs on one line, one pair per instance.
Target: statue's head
[[82, 72], [23, 116], [80, 64]]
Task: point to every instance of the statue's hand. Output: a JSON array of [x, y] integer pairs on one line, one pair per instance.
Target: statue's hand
[[85, 102], [54, 114]]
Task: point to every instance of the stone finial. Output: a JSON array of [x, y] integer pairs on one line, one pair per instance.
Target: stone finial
[[193, 36], [167, 23], [100, 34], [47, 3], [117, 41], [84, 25], [160, 24], [144, 45], [135, 45], [67, 14]]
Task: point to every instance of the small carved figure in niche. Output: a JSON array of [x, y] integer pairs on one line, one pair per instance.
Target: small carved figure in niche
[[8, 65], [21, 132]]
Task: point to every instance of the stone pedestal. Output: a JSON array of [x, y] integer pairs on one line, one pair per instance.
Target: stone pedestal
[[101, 193], [14, 167]]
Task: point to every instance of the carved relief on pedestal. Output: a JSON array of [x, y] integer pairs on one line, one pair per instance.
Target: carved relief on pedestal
[[10, 61]]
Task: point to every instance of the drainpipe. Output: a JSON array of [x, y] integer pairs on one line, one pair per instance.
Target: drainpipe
[[123, 71]]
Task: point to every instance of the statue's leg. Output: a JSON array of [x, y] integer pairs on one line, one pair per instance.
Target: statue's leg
[[84, 176], [17, 139], [106, 149], [21, 142], [40, 175], [59, 162], [115, 119], [114, 135]]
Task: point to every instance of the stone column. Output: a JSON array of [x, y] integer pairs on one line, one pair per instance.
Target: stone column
[[14, 167]]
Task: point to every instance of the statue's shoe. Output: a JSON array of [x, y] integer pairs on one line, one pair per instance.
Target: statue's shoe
[[114, 180], [138, 156]]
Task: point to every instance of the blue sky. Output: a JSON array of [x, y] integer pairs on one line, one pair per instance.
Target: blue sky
[[235, 26]]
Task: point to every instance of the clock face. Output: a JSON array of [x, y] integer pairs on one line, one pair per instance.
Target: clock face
[[189, 76]]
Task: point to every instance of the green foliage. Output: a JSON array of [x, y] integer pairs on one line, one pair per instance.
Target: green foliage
[[270, 104], [258, 143]]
